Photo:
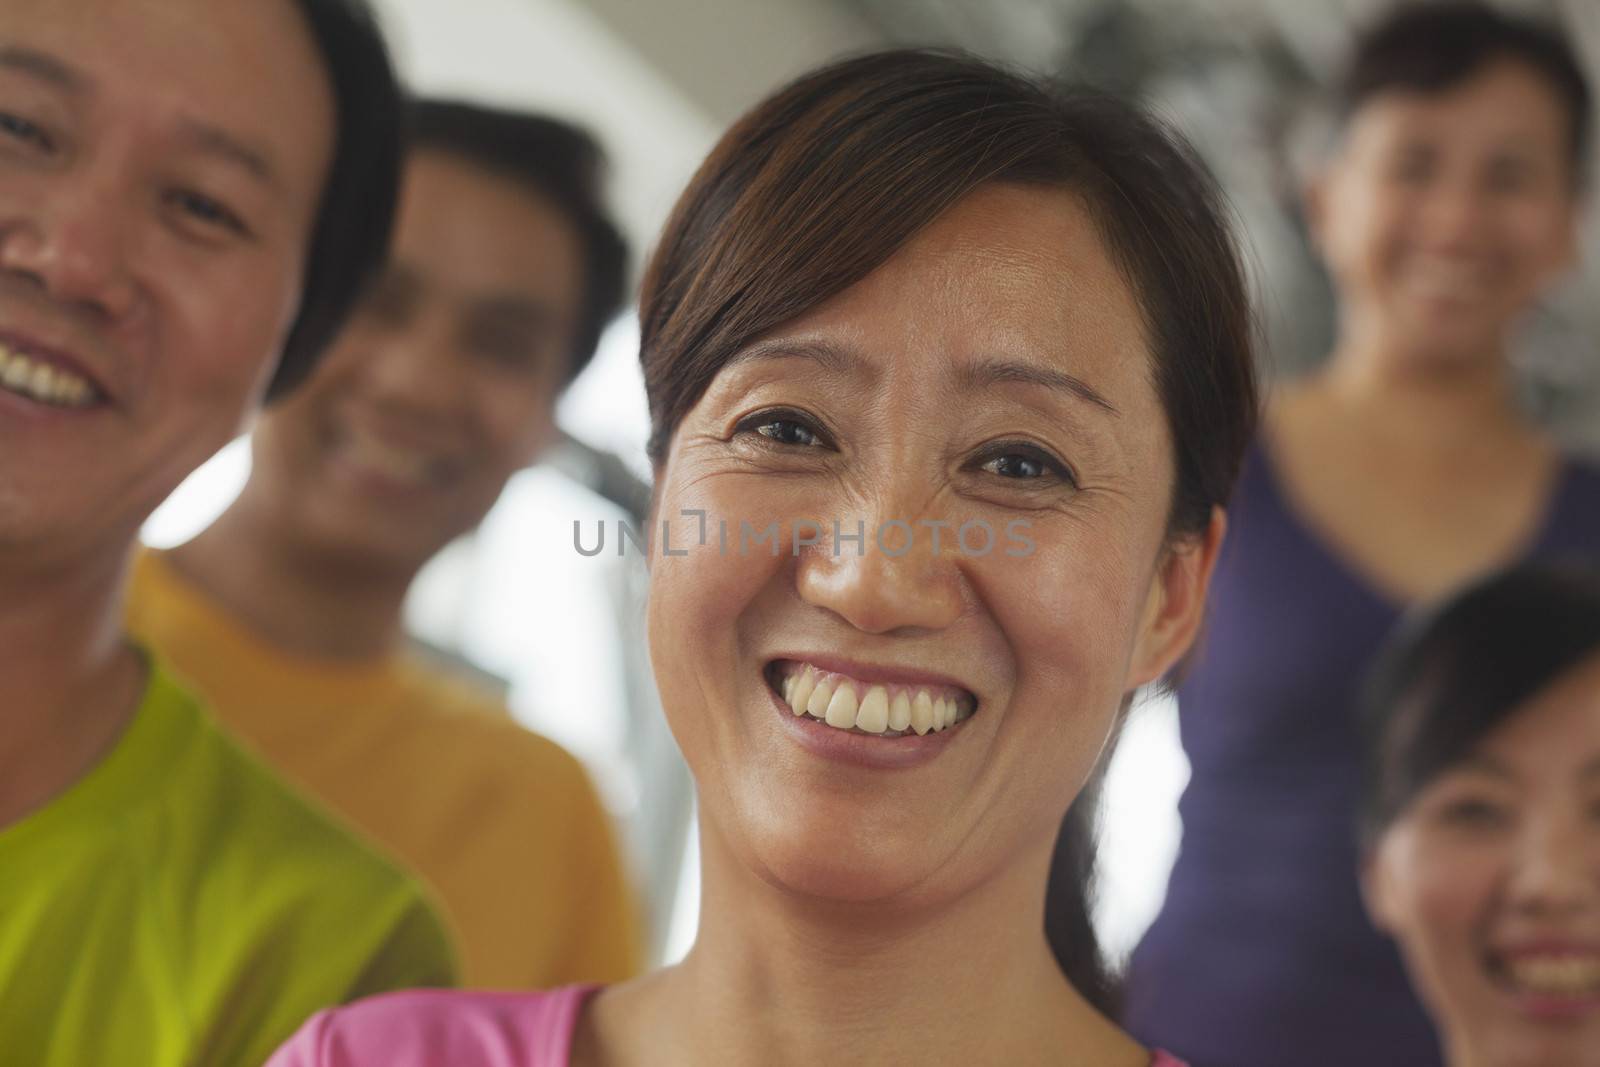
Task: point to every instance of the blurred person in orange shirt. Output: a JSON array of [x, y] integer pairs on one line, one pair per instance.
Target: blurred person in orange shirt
[[287, 611]]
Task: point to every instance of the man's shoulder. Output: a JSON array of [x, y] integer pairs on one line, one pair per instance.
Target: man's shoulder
[[451, 707], [242, 806]]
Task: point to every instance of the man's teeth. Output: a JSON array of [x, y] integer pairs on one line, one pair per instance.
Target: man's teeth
[[40, 381], [833, 699], [397, 464], [1563, 975]]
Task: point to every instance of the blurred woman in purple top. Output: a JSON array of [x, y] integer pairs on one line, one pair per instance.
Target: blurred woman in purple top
[[1481, 816], [1399, 470], [954, 372]]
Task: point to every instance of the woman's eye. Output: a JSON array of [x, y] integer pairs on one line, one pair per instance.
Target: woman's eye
[[1025, 464], [1474, 813], [783, 428], [20, 129]]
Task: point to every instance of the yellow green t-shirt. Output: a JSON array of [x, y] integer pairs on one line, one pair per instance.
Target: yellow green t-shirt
[[179, 905], [501, 824]]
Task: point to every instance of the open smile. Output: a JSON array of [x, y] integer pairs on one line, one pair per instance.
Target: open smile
[[881, 708], [33, 375]]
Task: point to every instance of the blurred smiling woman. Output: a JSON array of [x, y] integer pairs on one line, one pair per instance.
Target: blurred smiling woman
[[1482, 817], [908, 288], [188, 192]]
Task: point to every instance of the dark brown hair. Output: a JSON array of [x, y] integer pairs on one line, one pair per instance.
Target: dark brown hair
[[826, 180], [350, 237], [554, 160], [1433, 47], [1456, 672]]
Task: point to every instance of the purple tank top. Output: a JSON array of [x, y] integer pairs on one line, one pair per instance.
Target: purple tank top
[[1262, 954]]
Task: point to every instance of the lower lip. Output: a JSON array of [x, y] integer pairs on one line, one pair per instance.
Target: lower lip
[[372, 481], [1550, 1008], [861, 750], [16, 405]]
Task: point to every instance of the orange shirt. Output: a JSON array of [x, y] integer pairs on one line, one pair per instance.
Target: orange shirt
[[502, 824]]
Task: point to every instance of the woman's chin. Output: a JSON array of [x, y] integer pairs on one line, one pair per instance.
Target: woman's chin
[[842, 864]]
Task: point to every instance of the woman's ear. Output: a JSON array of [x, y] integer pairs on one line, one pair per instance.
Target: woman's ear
[[1176, 603], [1375, 890], [1314, 192]]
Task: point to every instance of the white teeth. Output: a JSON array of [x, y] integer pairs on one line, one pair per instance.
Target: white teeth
[[832, 698], [39, 381], [817, 706], [800, 699], [1560, 975], [398, 464], [841, 713], [899, 712], [873, 714]]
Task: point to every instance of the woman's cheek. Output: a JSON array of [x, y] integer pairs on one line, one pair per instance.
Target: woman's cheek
[[1451, 889]]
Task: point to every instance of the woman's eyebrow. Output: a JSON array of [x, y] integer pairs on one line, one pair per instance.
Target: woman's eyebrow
[[833, 358], [984, 373]]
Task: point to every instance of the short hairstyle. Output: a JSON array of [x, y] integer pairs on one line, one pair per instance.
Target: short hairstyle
[[350, 238], [1455, 673], [556, 160], [1433, 47], [826, 180]]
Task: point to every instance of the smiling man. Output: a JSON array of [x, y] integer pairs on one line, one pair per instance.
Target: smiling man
[[287, 612], [175, 239]]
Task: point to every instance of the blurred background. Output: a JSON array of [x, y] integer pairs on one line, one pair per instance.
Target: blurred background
[[657, 80]]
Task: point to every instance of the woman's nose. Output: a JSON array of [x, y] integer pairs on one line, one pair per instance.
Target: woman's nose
[[885, 573], [1557, 869]]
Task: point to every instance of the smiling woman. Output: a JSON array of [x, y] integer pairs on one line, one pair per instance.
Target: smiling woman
[[909, 288], [1481, 815], [163, 898]]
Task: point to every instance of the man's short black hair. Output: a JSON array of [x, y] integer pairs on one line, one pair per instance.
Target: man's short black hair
[[1433, 47], [561, 163], [350, 238]]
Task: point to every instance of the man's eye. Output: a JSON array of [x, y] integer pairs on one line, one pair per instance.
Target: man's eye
[[207, 211], [18, 128]]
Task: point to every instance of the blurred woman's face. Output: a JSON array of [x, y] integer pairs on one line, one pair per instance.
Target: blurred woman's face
[[161, 163], [1446, 214], [1490, 882], [886, 716]]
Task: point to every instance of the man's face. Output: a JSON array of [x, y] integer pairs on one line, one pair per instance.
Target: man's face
[[443, 384], [156, 203]]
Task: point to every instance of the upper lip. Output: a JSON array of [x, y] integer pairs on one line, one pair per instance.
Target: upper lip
[[51, 353], [1547, 946], [872, 672]]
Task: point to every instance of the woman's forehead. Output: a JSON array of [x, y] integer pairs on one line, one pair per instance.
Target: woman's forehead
[[1012, 276]]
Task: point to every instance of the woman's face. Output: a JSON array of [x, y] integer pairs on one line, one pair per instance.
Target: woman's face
[[161, 163], [992, 376], [1445, 214], [1490, 881]]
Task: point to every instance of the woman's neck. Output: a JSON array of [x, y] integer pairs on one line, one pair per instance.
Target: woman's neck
[[71, 681], [776, 979], [1418, 401], [300, 601]]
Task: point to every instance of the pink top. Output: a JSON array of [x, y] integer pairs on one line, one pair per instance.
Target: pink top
[[426, 1027]]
